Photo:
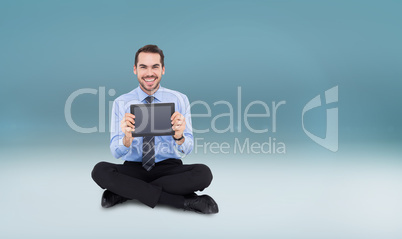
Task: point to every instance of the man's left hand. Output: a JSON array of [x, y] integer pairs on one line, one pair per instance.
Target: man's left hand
[[179, 124]]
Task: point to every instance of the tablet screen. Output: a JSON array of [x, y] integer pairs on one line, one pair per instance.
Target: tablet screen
[[152, 119]]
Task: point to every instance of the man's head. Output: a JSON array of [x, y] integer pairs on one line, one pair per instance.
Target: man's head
[[149, 67], [150, 49]]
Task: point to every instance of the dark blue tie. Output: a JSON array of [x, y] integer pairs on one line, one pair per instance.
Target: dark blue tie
[[148, 146]]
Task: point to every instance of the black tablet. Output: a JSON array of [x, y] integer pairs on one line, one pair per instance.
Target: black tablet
[[152, 119]]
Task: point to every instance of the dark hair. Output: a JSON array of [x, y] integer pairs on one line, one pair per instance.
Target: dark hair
[[150, 49]]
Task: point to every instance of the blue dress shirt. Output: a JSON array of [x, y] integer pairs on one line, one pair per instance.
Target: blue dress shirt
[[165, 146]]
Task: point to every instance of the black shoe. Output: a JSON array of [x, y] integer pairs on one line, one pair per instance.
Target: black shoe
[[202, 204], [110, 199]]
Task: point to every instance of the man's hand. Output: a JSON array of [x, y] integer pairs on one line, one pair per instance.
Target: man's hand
[[179, 124], [127, 126]]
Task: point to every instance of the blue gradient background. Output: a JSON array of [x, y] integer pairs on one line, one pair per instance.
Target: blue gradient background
[[273, 50]]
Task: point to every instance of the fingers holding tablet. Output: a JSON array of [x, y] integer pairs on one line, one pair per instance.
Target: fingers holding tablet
[[127, 124], [178, 123], [130, 119]]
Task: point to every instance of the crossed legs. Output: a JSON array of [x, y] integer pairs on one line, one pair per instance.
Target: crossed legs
[[167, 183]]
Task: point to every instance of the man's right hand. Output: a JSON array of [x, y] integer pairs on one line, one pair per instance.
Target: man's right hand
[[127, 126]]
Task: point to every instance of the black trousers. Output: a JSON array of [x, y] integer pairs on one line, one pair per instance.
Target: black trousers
[[169, 176]]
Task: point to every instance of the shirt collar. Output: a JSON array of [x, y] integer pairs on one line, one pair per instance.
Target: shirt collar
[[158, 94]]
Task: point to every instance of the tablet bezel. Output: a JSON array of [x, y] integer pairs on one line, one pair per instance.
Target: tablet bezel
[[171, 105]]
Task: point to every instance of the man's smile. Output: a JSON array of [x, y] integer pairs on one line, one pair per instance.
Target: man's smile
[[149, 80]]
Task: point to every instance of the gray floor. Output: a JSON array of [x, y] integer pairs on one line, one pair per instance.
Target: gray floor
[[51, 195]]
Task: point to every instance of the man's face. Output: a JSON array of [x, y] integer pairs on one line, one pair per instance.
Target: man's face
[[149, 71]]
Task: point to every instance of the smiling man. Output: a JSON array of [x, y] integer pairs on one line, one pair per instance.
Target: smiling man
[[153, 172]]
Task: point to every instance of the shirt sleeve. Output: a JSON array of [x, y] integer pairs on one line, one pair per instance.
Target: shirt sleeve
[[116, 135], [187, 147]]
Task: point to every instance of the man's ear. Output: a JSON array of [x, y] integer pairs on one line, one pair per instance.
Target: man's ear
[[135, 70], [163, 70]]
